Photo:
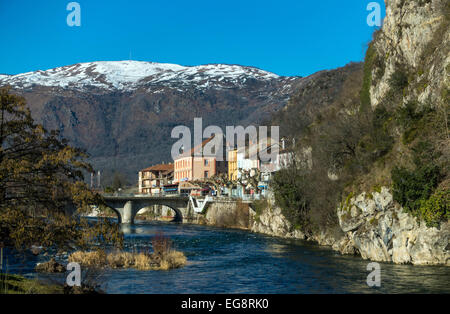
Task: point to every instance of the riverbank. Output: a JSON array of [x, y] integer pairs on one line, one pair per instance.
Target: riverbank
[[371, 226], [16, 284]]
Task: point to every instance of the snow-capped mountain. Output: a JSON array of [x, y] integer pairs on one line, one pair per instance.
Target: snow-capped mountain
[[131, 75], [122, 112]]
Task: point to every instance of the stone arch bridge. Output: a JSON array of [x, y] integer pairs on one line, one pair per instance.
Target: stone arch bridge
[[127, 208]]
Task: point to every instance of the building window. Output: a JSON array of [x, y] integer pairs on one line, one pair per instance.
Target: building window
[[206, 162], [206, 174]]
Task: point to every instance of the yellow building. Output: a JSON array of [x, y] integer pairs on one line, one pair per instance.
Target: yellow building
[[232, 165]]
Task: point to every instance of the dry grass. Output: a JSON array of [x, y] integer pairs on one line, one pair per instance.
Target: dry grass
[[141, 261], [93, 259], [120, 259], [175, 259], [162, 258]]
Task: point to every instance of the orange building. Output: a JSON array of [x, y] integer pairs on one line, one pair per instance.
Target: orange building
[[191, 168]]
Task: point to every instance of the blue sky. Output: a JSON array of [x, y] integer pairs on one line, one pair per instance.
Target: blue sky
[[287, 37]]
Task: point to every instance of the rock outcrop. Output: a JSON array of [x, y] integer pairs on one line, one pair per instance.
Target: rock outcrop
[[272, 222], [415, 38], [374, 227], [226, 214], [380, 230]]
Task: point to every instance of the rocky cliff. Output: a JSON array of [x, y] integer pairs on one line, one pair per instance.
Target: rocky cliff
[[406, 73], [374, 227], [414, 41]]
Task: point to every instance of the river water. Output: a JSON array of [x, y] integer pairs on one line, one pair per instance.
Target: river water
[[235, 261]]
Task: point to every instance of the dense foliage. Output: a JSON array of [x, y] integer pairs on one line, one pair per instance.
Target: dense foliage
[[290, 186], [41, 185], [411, 188]]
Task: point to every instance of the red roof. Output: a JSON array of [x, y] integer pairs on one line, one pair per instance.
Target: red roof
[[160, 167]]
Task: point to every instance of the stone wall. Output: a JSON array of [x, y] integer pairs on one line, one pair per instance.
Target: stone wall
[[226, 214]]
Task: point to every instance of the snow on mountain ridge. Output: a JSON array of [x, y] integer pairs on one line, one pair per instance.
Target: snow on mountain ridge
[[129, 75]]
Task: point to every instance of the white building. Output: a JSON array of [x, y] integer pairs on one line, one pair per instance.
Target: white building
[[247, 160]]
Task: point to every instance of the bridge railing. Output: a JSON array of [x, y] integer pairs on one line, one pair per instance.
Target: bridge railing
[[245, 197], [118, 195]]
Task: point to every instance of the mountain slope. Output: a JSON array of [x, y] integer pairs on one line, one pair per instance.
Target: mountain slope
[[123, 112], [131, 75], [318, 92]]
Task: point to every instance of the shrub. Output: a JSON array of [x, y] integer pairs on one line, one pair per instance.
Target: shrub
[[412, 187], [398, 81], [367, 78], [381, 140], [290, 193], [259, 206], [176, 259], [345, 206], [436, 208], [411, 119], [161, 244]]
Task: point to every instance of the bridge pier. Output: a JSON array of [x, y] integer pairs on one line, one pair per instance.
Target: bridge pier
[[127, 213]]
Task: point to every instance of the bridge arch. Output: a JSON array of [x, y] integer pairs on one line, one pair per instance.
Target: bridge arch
[[127, 208], [178, 214], [118, 214]]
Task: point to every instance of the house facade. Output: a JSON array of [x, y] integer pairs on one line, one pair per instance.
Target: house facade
[[232, 165], [247, 159], [190, 167], [152, 179]]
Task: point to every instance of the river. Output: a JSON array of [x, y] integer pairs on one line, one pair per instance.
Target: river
[[235, 261]]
